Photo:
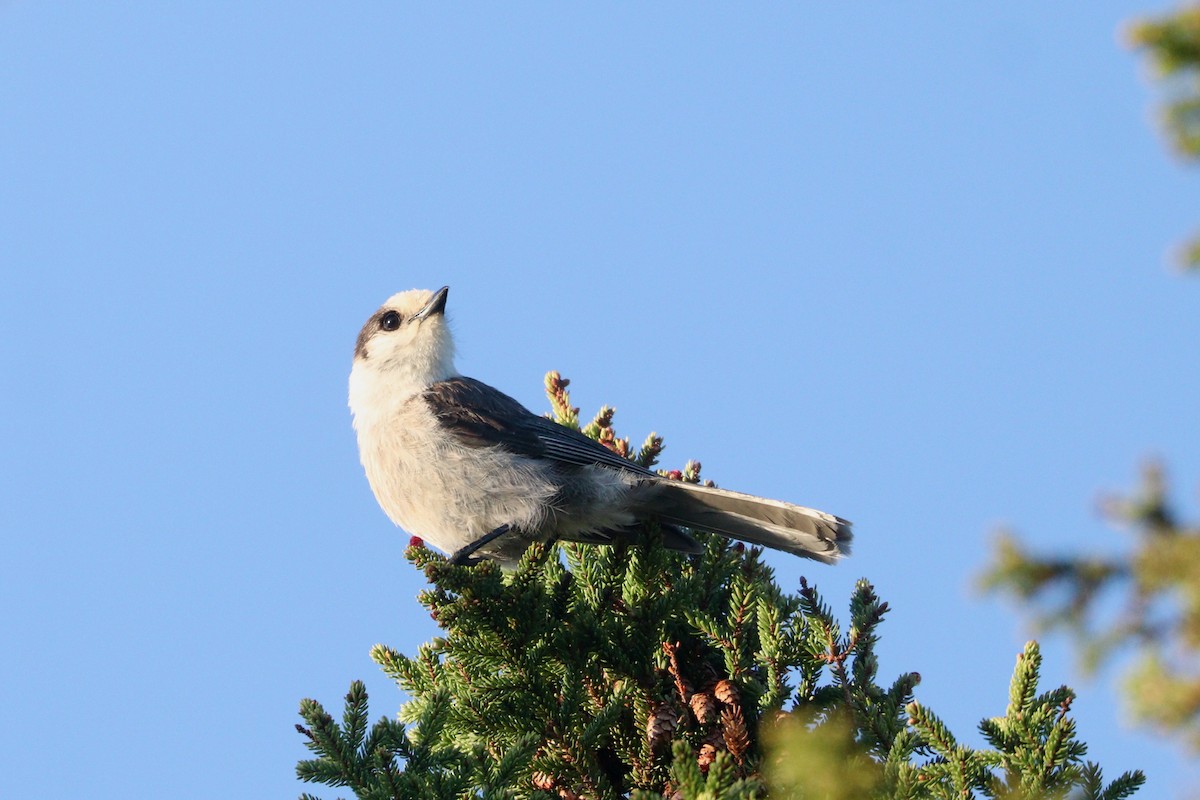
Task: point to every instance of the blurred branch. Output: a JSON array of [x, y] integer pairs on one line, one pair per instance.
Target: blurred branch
[[1171, 43], [1158, 586]]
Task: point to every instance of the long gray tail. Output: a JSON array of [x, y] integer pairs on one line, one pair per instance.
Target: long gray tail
[[802, 531]]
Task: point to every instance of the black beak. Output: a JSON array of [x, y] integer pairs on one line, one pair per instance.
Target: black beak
[[436, 304]]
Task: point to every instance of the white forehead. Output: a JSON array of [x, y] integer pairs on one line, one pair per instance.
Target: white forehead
[[410, 302]]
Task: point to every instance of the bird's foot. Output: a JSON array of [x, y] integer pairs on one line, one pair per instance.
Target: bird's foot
[[463, 557]]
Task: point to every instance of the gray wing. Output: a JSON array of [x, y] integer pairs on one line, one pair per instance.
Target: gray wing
[[480, 416]]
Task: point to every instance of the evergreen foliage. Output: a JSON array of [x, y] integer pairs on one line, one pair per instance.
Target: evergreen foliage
[[1158, 577], [1160, 616], [633, 671], [1172, 44]]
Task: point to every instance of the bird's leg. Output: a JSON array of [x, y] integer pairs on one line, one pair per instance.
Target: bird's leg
[[462, 556]]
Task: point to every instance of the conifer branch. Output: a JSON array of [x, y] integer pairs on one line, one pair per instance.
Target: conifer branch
[[633, 671]]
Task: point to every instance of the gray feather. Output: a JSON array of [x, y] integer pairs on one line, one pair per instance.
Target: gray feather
[[478, 415], [795, 529]]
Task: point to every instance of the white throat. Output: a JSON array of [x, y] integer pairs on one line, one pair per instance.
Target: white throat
[[377, 390]]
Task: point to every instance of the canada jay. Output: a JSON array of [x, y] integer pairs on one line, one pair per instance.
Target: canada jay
[[471, 471]]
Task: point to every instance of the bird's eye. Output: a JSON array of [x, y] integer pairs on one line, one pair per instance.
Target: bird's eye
[[390, 321]]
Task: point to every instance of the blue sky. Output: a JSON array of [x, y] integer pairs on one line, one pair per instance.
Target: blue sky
[[908, 264]]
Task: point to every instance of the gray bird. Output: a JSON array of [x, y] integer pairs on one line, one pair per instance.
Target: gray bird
[[473, 472]]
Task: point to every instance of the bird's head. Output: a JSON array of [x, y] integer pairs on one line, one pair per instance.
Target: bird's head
[[403, 348]]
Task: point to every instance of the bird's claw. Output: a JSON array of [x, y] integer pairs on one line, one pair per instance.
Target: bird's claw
[[463, 557]]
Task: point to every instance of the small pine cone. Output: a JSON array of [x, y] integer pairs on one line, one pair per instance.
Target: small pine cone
[[704, 707], [567, 794], [716, 737], [708, 754], [661, 725], [733, 728], [544, 781], [727, 692]]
